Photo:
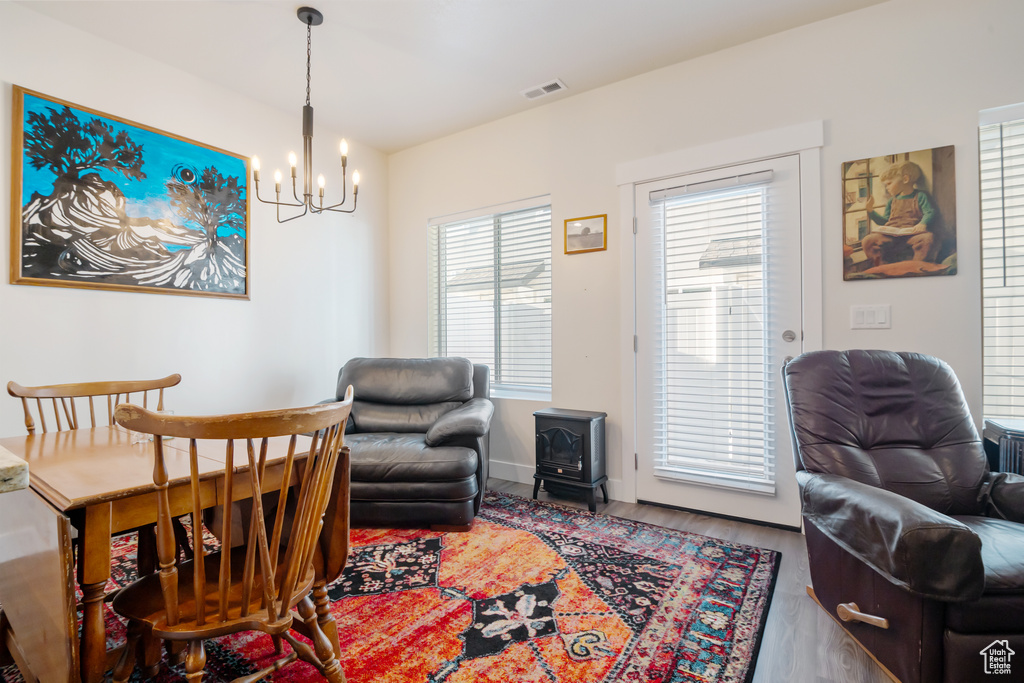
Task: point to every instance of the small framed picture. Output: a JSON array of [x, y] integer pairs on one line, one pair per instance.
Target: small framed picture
[[589, 233]]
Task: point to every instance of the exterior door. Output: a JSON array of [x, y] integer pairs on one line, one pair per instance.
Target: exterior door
[[718, 271]]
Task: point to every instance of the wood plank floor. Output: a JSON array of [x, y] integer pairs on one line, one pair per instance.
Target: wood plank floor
[[801, 643]]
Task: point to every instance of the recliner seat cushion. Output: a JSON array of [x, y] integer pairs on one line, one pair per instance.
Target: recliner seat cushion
[[394, 457], [1002, 552], [1000, 609]]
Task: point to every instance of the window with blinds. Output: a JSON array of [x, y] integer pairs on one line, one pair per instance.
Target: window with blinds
[[490, 294], [714, 408], [1001, 146]]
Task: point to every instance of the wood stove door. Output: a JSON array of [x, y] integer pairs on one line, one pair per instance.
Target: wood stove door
[[560, 450]]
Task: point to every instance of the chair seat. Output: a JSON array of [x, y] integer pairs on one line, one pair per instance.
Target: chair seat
[[1002, 547], [142, 600], [400, 457], [1001, 607]]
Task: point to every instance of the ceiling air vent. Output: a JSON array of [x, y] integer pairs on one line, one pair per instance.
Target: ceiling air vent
[[544, 89]]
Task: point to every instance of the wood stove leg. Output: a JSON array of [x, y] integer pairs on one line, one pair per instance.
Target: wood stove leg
[[591, 500], [604, 490], [536, 488]]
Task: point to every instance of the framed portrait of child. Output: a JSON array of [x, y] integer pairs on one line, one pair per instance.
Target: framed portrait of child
[[899, 215]]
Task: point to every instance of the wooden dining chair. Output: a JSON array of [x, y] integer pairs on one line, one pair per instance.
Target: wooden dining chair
[[256, 585], [61, 402], [65, 399]]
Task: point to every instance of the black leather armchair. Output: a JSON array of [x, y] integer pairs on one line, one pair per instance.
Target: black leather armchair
[[914, 545], [418, 433]]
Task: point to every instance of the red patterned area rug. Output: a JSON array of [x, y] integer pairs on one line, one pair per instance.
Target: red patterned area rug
[[534, 592]]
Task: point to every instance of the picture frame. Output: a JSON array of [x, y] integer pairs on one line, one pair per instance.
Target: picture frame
[[586, 234], [102, 202], [899, 215]]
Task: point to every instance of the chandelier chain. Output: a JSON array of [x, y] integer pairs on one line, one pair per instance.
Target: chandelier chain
[[309, 54]]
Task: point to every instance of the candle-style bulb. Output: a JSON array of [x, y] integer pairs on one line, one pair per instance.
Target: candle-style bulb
[[320, 181], [255, 163], [355, 179], [292, 160], [277, 176], [344, 148]]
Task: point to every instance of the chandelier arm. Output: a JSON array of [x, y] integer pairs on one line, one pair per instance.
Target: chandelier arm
[[355, 200], [334, 206], [269, 201], [305, 209], [295, 192], [344, 190]]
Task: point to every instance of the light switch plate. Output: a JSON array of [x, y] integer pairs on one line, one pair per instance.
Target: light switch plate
[[874, 317]]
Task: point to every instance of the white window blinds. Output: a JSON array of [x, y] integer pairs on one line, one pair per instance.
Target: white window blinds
[[715, 401], [490, 293], [1002, 242]]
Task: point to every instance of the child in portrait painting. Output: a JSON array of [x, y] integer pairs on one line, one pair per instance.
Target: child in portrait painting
[[908, 227]]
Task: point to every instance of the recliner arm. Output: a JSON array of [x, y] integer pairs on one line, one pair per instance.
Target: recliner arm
[[1005, 496], [911, 545], [473, 418]]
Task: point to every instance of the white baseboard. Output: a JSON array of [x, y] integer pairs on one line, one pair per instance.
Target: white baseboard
[[523, 474]]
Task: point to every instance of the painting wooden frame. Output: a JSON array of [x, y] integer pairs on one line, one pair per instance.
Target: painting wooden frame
[[101, 202], [586, 234], [899, 215]]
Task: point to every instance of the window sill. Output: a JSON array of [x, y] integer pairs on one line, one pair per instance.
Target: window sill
[[764, 488], [521, 393]]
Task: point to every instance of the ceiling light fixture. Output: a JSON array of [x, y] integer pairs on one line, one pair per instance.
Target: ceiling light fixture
[[310, 17]]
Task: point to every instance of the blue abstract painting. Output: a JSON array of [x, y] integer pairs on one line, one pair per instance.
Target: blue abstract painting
[[107, 203]]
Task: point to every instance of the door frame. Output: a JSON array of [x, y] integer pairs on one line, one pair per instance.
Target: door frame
[[805, 140]]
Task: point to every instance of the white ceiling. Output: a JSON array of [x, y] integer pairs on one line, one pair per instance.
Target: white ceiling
[[395, 73]]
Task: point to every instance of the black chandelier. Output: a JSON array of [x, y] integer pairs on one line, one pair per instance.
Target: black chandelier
[[310, 17]]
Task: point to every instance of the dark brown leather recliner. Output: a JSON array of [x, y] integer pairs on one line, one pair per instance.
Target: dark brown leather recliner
[[904, 520], [419, 435]]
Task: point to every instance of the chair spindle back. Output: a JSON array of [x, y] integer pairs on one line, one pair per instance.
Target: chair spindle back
[[60, 399], [268, 584]]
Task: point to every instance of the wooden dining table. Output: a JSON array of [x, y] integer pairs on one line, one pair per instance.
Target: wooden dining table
[[96, 483]]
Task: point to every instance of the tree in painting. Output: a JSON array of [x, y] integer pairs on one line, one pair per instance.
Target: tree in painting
[[61, 143], [217, 205]]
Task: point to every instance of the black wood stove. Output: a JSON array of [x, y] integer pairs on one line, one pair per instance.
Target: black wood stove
[[570, 453]]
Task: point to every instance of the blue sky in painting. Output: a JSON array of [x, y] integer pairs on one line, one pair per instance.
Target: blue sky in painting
[[160, 153]]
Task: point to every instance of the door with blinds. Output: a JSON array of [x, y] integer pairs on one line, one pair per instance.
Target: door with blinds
[[718, 269]]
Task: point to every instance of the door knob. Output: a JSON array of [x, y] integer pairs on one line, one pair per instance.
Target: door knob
[[789, 335]]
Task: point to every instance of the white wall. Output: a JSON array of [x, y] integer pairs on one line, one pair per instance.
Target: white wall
[[318, 285], [895, 77]]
